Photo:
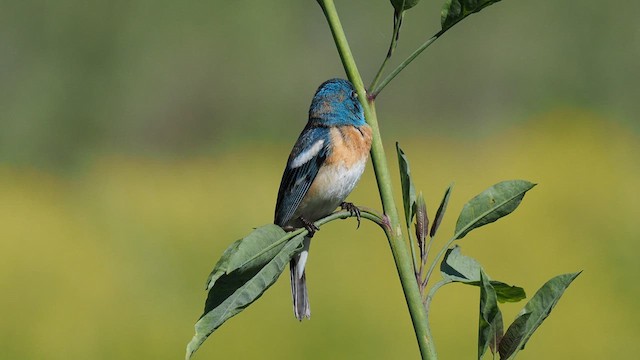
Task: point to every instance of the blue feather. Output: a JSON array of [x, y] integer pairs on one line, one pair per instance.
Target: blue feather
[[297, 180], [336, 103]]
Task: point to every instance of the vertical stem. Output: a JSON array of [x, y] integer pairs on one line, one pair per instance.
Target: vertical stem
[[396, 240]]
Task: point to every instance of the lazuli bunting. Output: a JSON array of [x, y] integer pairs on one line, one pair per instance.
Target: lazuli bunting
[[324, 166]]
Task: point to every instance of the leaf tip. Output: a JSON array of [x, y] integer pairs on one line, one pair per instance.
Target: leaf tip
[[441, 210], [192, 346]]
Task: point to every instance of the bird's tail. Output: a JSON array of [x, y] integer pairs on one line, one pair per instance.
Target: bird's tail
[[299, 292]]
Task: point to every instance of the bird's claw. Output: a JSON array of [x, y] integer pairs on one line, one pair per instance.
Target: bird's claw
[[354, 210], [311, 227]]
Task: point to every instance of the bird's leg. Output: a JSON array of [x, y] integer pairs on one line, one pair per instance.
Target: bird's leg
[[311, 227], [354, 210]]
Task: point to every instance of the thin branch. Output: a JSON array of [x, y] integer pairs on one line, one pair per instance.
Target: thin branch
[[425, 280], [437, 258], [397, 22], [374, 92], [432, 292]]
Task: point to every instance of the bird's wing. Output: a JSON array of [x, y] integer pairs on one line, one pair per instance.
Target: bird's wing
[[307, 156]]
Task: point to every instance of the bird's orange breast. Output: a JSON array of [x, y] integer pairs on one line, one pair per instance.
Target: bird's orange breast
[[339, 173], [349, 145]]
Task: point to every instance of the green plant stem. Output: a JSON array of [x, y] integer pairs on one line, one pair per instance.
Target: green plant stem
[[425, 280], [365, 213], [438, 256], [432, 292], [394, 38], [407, 61], [412, 242], [394, 234]]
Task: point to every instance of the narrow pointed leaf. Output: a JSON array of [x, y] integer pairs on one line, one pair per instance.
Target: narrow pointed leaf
[[408, 191], [497, 201], [542, 303], [513, 336], [454, 11], [441, 210], [490, 325], [461, 268], [233, 292]]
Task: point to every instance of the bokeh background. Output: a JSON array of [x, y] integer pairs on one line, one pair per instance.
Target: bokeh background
[[139, 138]]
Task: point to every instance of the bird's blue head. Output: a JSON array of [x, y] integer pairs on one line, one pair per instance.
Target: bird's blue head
[[336, 103]]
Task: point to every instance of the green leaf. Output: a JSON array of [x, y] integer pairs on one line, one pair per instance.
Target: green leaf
[[508, 293], [441, 210], [254, 250], [245, 271], [408, 191], [514, 335], [461, 268], [402, 5], [490, 325], [497, 201], [458, 267], [454, 11], [222, 265], [538, 308]]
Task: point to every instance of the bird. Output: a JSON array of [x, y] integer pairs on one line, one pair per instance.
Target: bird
[[323, 168]]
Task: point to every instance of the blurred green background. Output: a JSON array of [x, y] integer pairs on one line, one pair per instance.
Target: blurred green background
[[139, 138]]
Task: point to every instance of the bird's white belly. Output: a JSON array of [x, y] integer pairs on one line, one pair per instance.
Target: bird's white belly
[[329, 189]]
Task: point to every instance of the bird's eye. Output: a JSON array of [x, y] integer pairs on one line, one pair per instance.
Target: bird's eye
[[354, 94]]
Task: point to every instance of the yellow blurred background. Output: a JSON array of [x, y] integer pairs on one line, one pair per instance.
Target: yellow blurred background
[[138, 139]]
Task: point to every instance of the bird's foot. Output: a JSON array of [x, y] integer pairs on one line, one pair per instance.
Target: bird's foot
[[311, 227], [354, 210]]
